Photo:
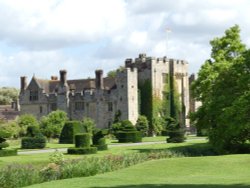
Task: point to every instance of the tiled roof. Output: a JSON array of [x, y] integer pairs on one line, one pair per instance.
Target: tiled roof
[[79, 85]]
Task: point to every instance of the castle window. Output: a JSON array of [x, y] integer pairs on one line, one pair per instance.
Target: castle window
[[110, 107], [41, 109], [53, 106], [164, 78], [33, 95], [79, 106]]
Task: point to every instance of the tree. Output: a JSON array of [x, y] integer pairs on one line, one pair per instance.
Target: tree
[[142, 124], [12, 127], [26, 120], [223, 88], [52, 124], [7, 95], [3, 135]]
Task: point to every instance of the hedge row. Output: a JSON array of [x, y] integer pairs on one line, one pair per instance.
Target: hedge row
[[132, 136], [33, 142], [89, 150], [8, 152]]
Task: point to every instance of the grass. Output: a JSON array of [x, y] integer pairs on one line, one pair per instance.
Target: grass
[[43, 158], [231, 171]]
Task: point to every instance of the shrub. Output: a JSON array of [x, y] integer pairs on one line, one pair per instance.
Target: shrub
[[70, 129], [98, 134], [142, 125], [26, 120], [32, 131], [101, 144], [3, 135], [89, 125], [56, 157], [36, 142], [129, 136], [82, 140], [52, 124], [8, 152], [89, 150]]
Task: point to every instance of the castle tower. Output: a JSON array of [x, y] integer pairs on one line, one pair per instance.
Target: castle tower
[[62, 92]]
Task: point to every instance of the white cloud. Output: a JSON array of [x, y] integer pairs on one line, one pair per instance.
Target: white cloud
[[45, 36]]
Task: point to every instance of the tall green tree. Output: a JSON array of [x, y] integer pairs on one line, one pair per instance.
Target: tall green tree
[[52, 124], [223, 88], [7, 95]]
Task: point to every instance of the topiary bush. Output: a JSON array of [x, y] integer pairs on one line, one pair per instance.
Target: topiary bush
[[37, 142], [129, 136], [70, 129], [32, 131], [176, 133], [82, 140], [82, 145], [80, 151], [142, 125]]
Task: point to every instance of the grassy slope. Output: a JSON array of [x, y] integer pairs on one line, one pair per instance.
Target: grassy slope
[[230, 171]]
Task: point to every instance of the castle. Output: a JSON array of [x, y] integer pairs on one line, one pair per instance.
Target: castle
[[102, 97]]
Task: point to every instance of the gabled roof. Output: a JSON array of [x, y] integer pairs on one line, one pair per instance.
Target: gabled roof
[[50, 86]]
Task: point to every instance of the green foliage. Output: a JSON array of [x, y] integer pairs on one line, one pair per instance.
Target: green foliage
[[57, 157], [3, 135], [223, 88], [8, 152], [11, 127], [142, 125], [70, 129], [52, 124], [117, 116], [129, 136], [111, 74], [82, 151], [37, 142], [89, 125], [99, 134], [176, 133], [7, 95], [32, 131], [26, 120], [82, 140], [146, 100]]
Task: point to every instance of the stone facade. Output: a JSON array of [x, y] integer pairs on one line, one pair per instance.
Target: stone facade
[[100, 98]]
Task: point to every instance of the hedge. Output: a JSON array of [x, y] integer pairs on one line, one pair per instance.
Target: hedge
[[89, 150], [101, 144], [82, 140], [70, 129], [131, 136], [33, 142], [8, 152]]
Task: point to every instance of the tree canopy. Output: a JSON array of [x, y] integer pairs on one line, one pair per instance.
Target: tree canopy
[[7, 95], [223, 87]]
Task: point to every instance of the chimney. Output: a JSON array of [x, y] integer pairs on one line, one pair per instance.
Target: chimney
[[54, 78], [23, 80], [63, 77], [99, 79]]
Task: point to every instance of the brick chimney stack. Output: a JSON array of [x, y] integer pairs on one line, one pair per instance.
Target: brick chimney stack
[[23, 80], [99, 79], [63, 77]]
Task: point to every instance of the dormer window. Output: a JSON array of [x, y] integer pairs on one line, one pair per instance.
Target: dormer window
[[33, 95]]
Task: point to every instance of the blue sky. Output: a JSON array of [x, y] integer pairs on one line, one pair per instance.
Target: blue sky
[[43, 36]]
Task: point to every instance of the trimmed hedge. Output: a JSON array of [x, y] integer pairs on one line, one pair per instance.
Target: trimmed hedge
[[89, 150], [70, 129], [98, 134], [33, 142], [101, 144], [130, 136], [8, 152], [82, 140]]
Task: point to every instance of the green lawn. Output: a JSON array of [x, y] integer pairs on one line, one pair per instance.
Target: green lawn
[[41, 159], [231, 171]]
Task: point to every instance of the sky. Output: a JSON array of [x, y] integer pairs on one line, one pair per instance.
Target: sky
[[41, 37]]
